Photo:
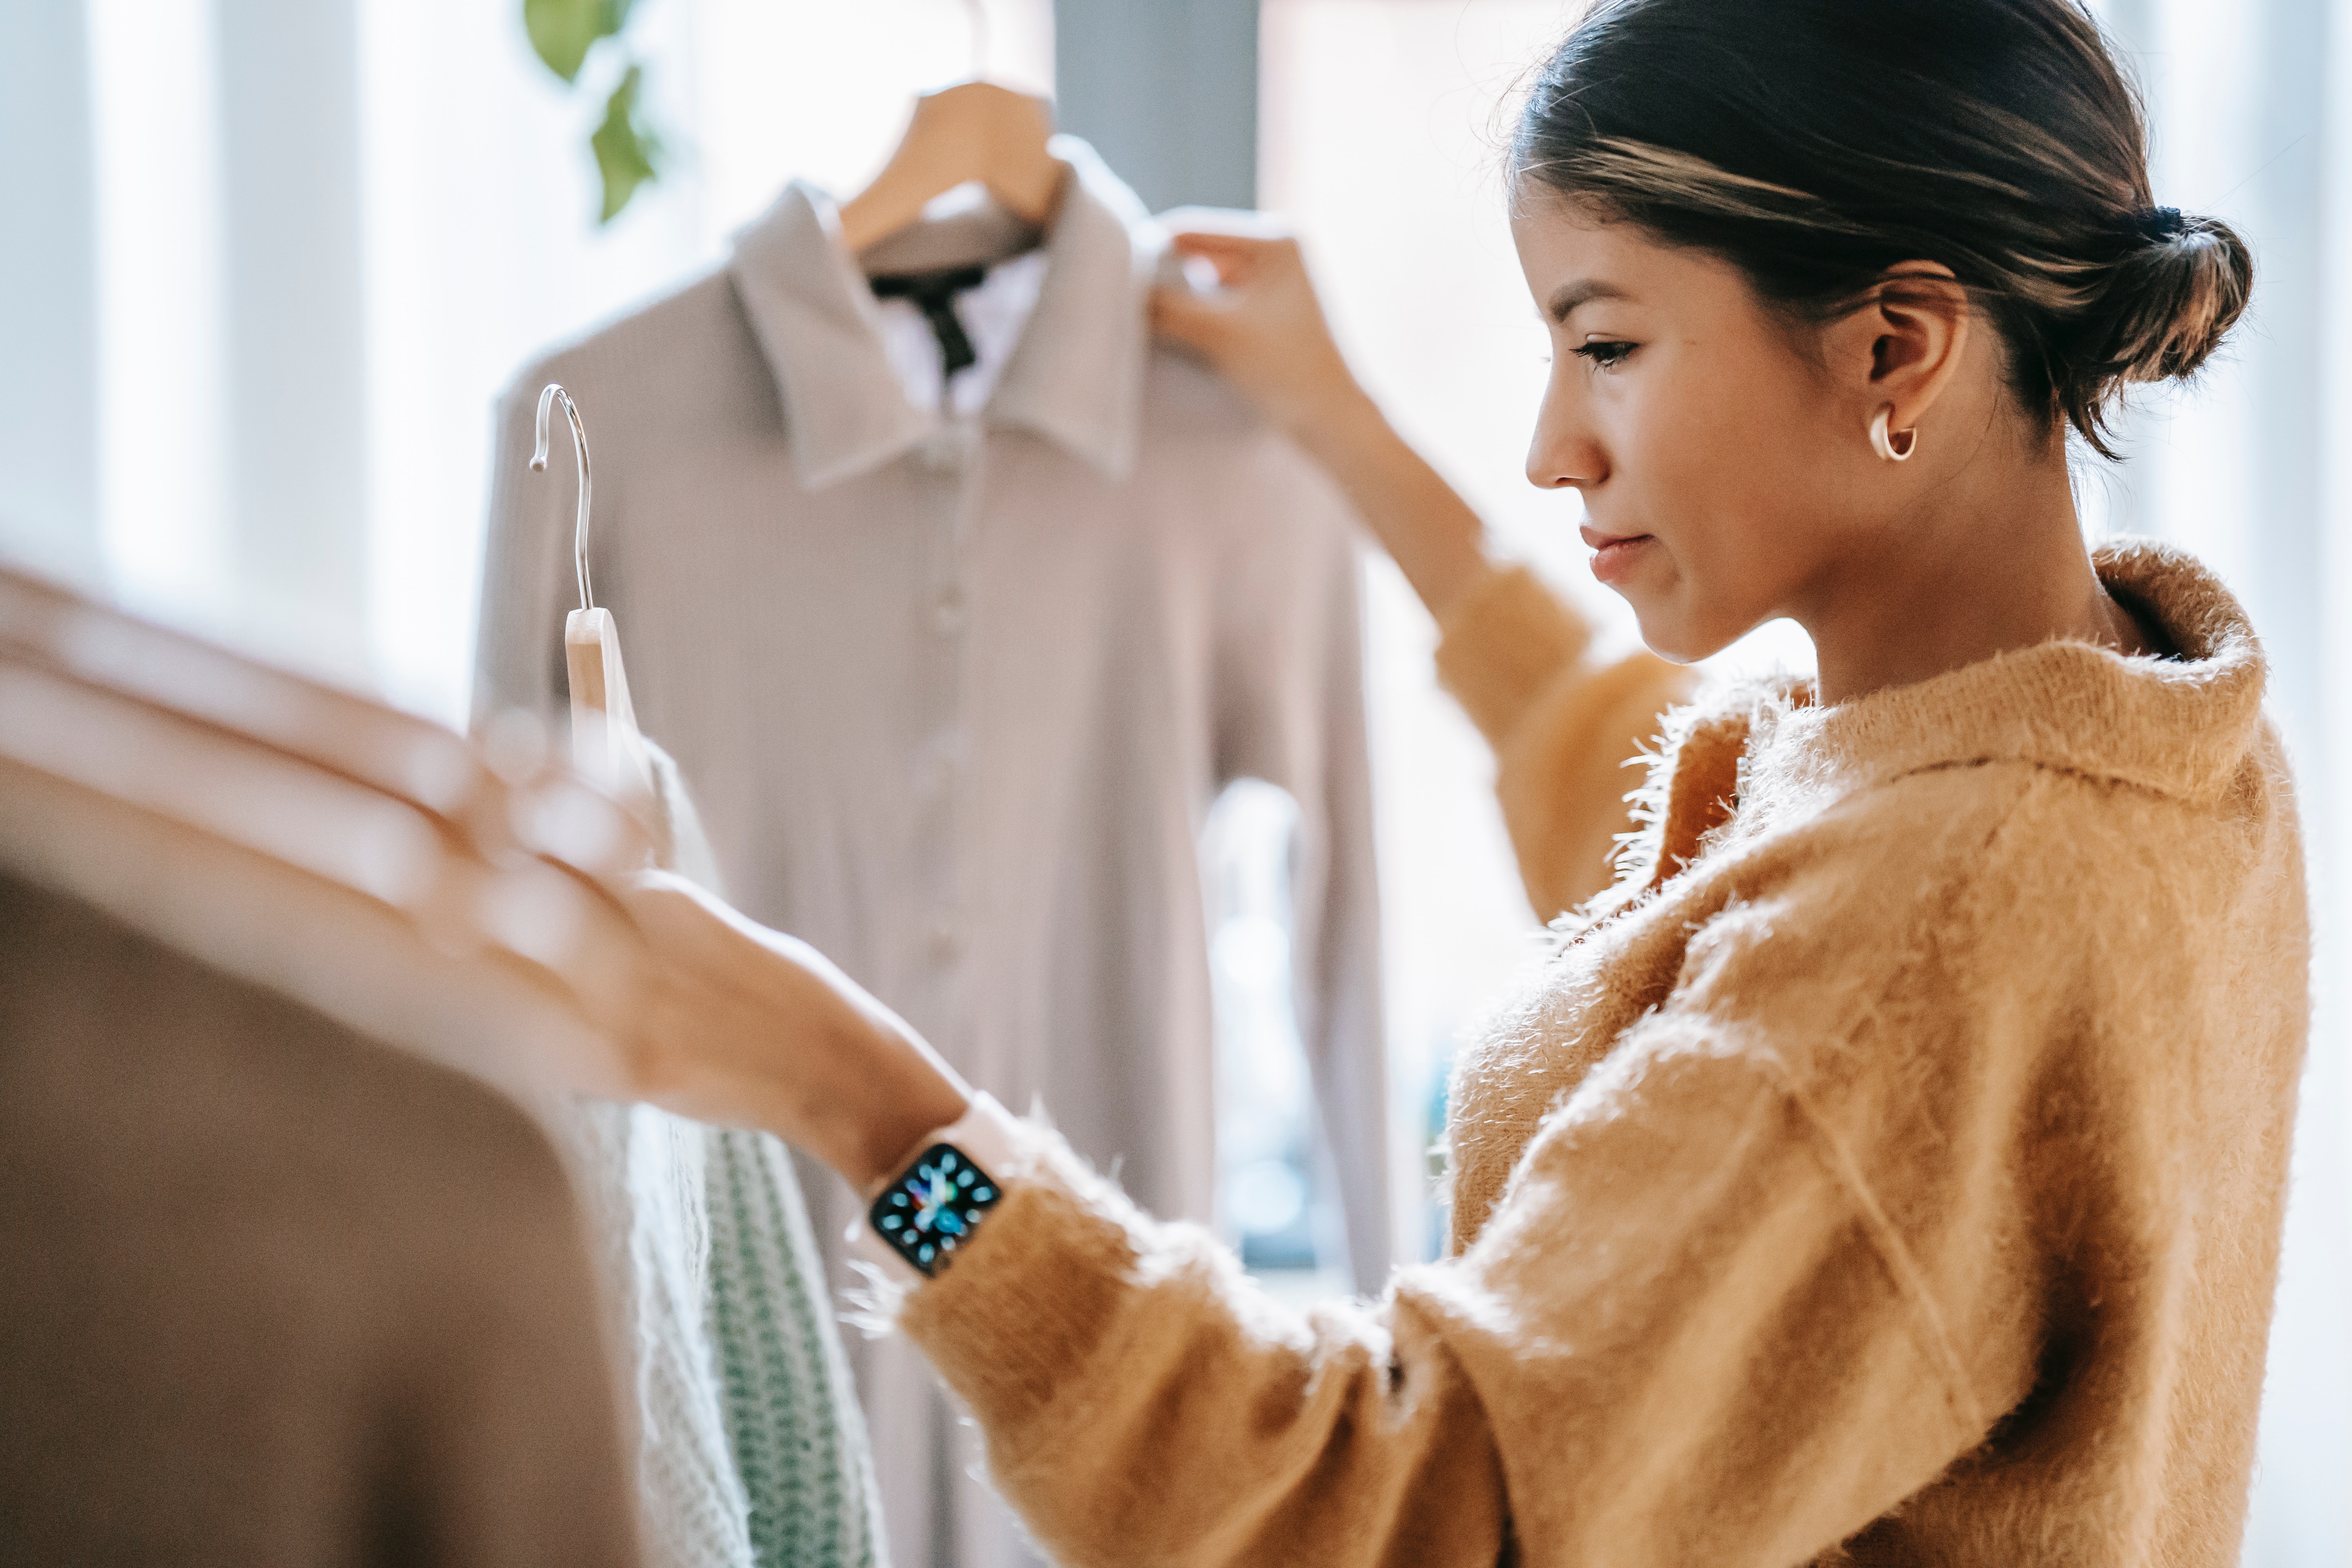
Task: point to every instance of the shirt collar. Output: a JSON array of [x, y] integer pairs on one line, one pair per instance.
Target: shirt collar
[[1075, 377]]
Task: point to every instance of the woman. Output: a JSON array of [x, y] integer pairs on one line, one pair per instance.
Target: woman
[[1889, 1167]]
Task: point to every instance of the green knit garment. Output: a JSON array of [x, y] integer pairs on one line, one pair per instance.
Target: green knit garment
[[791, 1416], [791, 1412]]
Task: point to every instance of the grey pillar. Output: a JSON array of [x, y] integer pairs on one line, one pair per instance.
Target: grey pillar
[[290, 179], [1167, 91], [48, 293]]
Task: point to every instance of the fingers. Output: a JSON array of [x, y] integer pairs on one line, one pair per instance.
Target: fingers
[[1230, 223], [1212, 244], [1236, 256], [1252, 271], [1229, 261], [1183, 317]]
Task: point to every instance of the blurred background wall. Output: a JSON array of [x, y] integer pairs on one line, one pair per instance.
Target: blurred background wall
[[268, 260]]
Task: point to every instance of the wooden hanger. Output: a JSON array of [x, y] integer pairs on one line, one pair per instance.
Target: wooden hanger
[[973, 131]]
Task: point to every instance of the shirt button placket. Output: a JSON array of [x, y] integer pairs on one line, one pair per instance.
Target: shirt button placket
[[954, 455], [947, 610]]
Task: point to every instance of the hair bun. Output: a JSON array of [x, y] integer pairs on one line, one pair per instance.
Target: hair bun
[[2180, 284]]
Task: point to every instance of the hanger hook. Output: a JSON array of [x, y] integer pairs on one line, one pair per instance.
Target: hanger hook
[[547, 396]]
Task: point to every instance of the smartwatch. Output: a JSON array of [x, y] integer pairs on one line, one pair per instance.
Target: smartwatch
[[934, 1206]]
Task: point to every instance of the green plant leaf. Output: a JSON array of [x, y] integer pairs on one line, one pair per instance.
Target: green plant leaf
[[627, 149], [562, 31]]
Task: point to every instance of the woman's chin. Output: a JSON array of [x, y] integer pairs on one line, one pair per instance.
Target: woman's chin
[[1669, 631]]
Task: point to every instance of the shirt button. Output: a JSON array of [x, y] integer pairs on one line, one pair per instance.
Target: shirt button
[[947, 611], [947, 450], [938, 773], [946, 941]]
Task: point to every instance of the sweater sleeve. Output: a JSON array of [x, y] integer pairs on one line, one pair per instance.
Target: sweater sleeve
[[1564, 726], [1688, 1334]]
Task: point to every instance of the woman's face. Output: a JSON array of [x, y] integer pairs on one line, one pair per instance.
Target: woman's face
[[1721, 467]]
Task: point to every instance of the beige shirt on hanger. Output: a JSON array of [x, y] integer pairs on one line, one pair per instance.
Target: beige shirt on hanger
[[956, 690]]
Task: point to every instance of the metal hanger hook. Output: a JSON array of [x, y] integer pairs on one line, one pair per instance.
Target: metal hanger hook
[[549, 396]]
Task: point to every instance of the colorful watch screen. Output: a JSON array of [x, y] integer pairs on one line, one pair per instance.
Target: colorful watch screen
[[933, 1209]]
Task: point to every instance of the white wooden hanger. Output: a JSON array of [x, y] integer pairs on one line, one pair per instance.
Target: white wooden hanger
[[606, 744]]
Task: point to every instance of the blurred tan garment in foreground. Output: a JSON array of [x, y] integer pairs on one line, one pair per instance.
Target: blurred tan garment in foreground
[[275, 1287], [274, 1293]]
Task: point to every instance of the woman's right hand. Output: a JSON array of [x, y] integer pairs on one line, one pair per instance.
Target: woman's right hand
[[749, 1028], [1263, 329]]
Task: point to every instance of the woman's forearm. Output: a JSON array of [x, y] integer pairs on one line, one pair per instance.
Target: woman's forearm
[[1144, 1401], [1423, 523]]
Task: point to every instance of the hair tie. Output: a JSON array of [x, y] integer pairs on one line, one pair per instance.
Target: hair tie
[[2160, 224]]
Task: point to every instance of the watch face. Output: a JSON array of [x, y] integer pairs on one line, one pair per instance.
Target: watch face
[[934, 1207]]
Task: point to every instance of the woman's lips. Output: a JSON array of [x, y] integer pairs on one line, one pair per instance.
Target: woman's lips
[[1615, 556]]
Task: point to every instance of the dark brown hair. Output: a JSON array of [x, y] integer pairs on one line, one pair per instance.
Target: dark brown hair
[[1814, 143]]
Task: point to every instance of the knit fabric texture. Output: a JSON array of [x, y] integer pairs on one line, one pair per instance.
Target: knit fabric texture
[[749, 1448], [1888, 1169], [640, 1174], [802, 1465], [792, 1422]]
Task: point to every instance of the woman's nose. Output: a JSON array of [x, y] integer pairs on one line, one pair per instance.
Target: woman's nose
[[1565, 453]]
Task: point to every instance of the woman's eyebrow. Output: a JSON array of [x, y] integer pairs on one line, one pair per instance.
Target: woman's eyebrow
[[1584, 291]]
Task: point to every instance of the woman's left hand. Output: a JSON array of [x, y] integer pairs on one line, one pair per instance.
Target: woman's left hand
[[748, 1027], [1263, 329]]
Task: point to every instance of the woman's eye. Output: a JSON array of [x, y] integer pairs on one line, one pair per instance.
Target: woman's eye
[[1606, 352]]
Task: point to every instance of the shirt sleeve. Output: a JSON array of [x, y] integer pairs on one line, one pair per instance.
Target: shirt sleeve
[[1290, 711], [1564, 725], [1690, 1332]]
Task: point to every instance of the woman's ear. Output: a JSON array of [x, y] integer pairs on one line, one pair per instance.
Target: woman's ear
[[1901, 349]]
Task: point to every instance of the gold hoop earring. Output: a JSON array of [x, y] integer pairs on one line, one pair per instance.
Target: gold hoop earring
[[1894, 445]]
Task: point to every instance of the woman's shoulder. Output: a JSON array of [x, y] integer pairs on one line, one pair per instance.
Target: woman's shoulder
[[1948, 839], [1996, 886]]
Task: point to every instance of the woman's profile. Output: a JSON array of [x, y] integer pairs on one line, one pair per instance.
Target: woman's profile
[[1888, 1165]]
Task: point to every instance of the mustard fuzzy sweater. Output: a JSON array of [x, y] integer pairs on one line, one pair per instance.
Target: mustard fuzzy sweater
[[1888, 1170]]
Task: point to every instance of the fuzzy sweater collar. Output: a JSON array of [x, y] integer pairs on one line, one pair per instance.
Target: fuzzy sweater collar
[[2179, 726]]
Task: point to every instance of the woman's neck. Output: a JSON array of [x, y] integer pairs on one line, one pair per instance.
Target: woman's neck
[[1992, 561]]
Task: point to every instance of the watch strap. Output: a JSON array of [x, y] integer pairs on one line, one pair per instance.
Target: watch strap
[[986, 1132]]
